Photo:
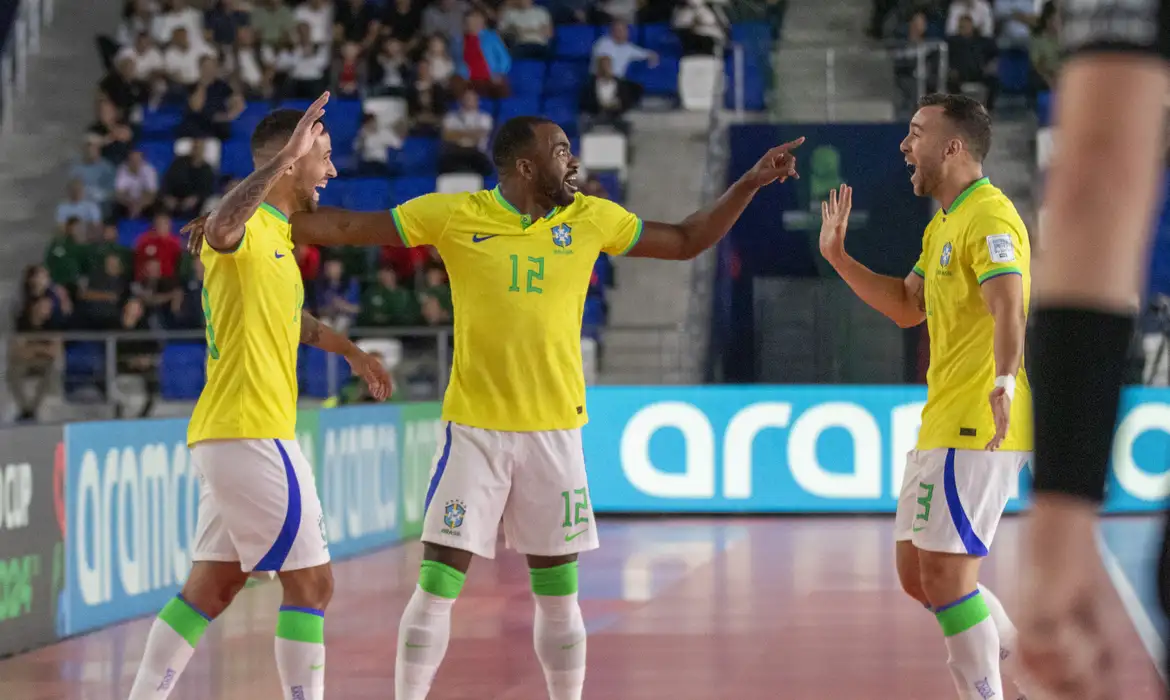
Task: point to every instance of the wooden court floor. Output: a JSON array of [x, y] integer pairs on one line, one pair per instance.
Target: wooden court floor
[[794, 609]]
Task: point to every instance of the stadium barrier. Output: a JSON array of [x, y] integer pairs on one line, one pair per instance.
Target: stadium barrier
[[21, 23]]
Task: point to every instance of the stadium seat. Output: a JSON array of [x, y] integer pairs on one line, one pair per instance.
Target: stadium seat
[[344, 119], [182, 370], [387, 110], [334, 193], [697, 78], [389, 348], [1014, 70], [404, 189], [754, 81], [314, 374], [575, 41], [212, 150], [366, 194], [236, 158], [162, 122], [160, 154], [130, 229], [527, 78], [659, 38], [564, 111], [566, 78], [661, 80], [418, 155], [1044, 108], [604, 151], [246, 123], [612, 184], [451, 183], [85, 365], [517, 107], [752, 34]]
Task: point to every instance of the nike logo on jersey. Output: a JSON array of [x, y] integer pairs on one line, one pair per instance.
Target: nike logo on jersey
[[480, 238], [572, 536], [279, 255]]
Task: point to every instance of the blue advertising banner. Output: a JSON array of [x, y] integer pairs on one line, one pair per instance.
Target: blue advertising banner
[[806, 449], [360, 468], [131, 497]]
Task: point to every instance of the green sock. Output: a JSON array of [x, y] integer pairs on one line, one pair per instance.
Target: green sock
[[184, 619], [440, 580]]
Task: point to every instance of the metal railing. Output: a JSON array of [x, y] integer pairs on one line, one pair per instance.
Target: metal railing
[[22, 42]]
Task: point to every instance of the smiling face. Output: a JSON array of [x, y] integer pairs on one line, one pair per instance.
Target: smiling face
[[554, 165], [312, 173]]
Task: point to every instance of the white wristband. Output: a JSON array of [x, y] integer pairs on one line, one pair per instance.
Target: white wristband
[[1008, 383]]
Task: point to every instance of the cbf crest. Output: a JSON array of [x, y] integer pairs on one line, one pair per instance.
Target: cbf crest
[[945, 258], [562, 235], [453, 516]]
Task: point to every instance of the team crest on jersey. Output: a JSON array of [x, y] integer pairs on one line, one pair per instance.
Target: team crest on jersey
[[453, 516], [563, 238], [945, 258]]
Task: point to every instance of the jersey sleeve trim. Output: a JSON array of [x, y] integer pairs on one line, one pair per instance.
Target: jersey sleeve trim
[[400, 228], [999, 272], [634, 241], [919, 271]]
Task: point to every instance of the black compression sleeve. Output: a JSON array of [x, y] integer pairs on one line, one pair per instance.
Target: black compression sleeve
[[1076, 366]]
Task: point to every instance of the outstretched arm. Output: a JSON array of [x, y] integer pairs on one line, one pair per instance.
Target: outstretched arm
[[329, 226], [369, 368], [703, 229]]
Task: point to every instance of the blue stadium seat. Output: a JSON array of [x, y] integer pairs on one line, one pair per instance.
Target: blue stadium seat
[[661, 80], [612, 184], [130, 229], [1044, 108], [594, 313], [85, 365], [403, 189], [158, 153], [334, 193], [366, 194], [575, 40], [418, 155], [604, 269], [754, 84], [246, 123], [236, 158], [182, 371], [527, 78], [314, 372], [161, 123], [563, 111], [1014, 70], [568, 78], [660, 38], [344, 119], [300, 104], [490, 182], [517, 107], [751, 33]]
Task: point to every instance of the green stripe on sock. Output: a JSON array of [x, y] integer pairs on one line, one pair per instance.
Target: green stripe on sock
[[298, 626], [555, 581], [440, 580], [964, 616], [185, 620]]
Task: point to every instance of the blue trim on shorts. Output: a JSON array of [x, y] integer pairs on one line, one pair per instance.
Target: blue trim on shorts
[[959, 517], [308, 611], [275, 558], [439, 469], [960, 601]]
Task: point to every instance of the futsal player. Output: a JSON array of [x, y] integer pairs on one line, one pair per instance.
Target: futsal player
[[971, 286], [519, 258], [1101, 194], [258, 508]]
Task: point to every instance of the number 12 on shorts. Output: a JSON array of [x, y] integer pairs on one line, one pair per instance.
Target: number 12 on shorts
[[576, 503]]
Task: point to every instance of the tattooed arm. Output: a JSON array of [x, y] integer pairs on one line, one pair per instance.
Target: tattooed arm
[[225, 225], [368, 367]]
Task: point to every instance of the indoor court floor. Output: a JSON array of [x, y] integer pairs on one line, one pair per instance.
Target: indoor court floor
[[685, 609]]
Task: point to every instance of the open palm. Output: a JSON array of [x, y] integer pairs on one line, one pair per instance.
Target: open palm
[[834, 222], [308, 129]]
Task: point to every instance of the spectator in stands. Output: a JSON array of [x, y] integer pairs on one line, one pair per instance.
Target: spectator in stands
[[78, 206], [357, 21], [427, 102], [148, 60], [407, 262], [438, 55], [350, 70], [121, 85], [337, 296], [212, 105], [223, 21], [569, 11], [481, 59], [109, 243], [972, 59], [33, 358], [252, 66], [980, 13], [388, 304], [187, 300], [606, 98], [138, 357], [135, 187], [158, 294], [445, 18], [158, 243], [177, 14], [527, 27], [137, 18], [435, 298], [318, 14], [403, 20], [465, 138], [309, 74], [610, 11], [102, 293], [65, 254], [373, 145], [390, 69], [273, 20], [188, 183], [182, 60], [906, 72], [701, 26], [111, 128], [95, 173], [1045, 52], [621, 51], [1016, 19]]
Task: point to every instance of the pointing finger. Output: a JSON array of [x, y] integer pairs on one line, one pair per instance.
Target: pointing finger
[[791, 145]]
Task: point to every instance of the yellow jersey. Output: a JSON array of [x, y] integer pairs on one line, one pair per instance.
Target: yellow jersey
[[518, 289], [252, 299], [981, 237]]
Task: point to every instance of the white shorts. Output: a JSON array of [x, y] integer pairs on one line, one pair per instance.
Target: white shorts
[[952, 500], [258, 505], [534, 481]]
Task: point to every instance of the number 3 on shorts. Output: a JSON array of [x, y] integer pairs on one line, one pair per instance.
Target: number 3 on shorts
[[576, 501]]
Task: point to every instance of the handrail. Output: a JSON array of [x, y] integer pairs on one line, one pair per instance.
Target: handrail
[[22, 41]]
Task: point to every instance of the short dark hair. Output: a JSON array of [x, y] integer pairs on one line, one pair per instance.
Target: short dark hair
[[969, 116], [514, 138], [277, 124]]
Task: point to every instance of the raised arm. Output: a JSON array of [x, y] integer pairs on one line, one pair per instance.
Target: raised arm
[[900, 300], [319, 335], [703, 229]]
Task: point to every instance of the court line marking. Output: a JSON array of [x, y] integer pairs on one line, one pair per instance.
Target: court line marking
[[1138, 615]]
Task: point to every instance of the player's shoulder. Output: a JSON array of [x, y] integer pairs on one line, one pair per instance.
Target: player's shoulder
[[449, 201], [586, 205], [990, 206]]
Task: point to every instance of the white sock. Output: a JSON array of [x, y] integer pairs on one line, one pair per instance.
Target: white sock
[[973, 644], [169, 648], [1008, 637], [300, 653], [558, 634], [423, 635]]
